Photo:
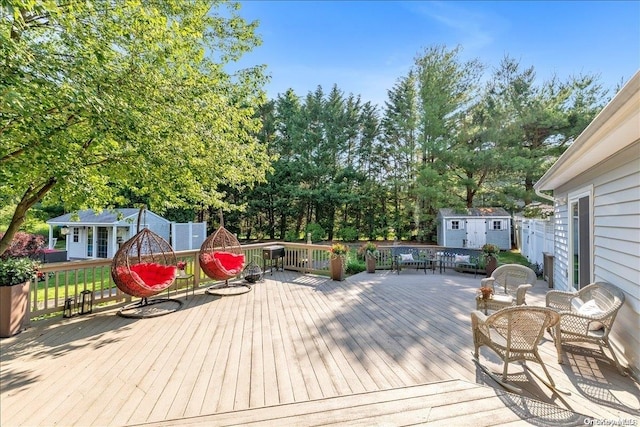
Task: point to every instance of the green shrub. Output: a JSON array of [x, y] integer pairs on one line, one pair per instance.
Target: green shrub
[[348, 234], [316, 230], [290, 236], [354, 266]]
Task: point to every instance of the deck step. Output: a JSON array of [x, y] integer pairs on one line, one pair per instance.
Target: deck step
[[453, 402]]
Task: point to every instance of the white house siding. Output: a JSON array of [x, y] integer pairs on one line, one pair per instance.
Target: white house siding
[[77, 249], [616, 239], [561, 248]]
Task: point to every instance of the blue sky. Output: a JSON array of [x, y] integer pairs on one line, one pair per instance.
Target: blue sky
[[365, 46]]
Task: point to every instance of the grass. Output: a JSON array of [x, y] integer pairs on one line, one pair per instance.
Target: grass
[[512, 257]]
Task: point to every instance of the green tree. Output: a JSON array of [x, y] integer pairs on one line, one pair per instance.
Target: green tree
[[471, 158], [537, 123], [103, 96], [446, 86], [399, 135]]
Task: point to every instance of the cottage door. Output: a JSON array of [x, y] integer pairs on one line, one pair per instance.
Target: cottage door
[[103, 242], [580, 261], [476, 233]]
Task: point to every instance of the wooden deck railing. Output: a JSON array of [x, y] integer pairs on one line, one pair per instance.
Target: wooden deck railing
[[61, 281]]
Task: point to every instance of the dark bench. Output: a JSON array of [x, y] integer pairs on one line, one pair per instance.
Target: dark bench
[[460, 259], [410, 255]]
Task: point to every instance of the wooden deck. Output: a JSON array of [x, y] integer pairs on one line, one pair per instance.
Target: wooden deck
[[376, 349]]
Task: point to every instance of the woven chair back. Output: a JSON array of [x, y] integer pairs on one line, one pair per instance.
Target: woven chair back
[[221, 256], [151, 250]]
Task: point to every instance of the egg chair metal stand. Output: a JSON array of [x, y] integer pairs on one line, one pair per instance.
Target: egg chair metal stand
[[144, 266], [221, 258]]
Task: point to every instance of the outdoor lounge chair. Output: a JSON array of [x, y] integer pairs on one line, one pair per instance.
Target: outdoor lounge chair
[[513, 333], [587, 316]]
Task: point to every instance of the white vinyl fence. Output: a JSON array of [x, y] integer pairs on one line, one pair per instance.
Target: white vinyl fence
[[534, 238], [187, 236]]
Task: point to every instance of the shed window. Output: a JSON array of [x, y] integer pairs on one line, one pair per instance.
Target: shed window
[[76, 234], [498, 225], [454, 224]]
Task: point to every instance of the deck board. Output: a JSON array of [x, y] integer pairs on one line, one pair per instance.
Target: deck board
[[300, 343]]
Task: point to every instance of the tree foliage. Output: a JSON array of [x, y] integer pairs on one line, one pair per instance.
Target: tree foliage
[[443, 139], [107, 102]]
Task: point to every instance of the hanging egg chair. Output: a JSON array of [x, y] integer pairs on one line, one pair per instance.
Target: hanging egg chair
[[221, 258], [144, 266]]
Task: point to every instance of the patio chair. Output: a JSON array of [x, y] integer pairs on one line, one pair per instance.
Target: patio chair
[[510, 283], [587, 316], [513, 333]]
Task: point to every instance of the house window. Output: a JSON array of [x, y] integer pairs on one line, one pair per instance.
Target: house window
[[497, 225], [76, 234], [454, 224]]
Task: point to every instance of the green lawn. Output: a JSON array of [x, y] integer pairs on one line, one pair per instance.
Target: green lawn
[[96, 278], [512, 257]]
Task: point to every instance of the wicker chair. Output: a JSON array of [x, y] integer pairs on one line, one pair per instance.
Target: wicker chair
[[513, 333], [591, 325], [513, 281]]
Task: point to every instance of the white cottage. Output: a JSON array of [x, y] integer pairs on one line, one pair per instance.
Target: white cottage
[[596, 189], [472, 228], [99, 235]]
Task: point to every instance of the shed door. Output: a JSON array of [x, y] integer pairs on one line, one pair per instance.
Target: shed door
[[476, 233]]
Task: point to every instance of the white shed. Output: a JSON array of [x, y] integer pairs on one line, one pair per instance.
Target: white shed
[[99, 235], [596, 187]]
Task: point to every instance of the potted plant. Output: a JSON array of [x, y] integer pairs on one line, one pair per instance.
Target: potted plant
[[486, 292], [370, 251], [181, 269], [15, 279], [338, 255], [490, 252]]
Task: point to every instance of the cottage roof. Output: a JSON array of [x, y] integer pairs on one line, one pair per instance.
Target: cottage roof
[[474, 212], [106, 217]]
